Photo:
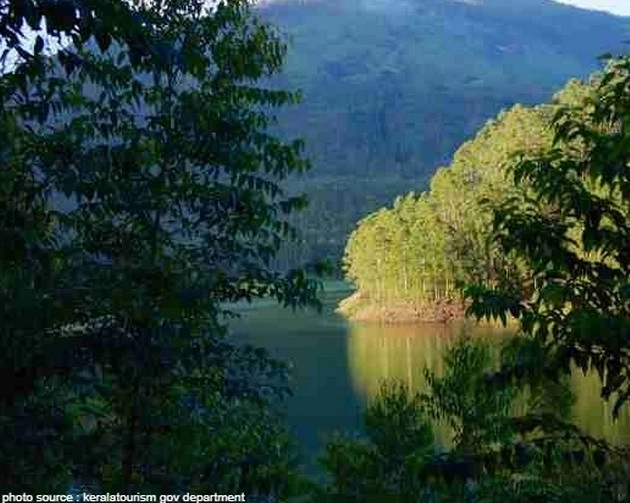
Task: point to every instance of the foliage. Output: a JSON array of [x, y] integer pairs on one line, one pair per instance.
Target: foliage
[[495, 455], [140, 190], [387, 463], [573, 233], [105, 20], [479, 418], [550, 248], [425, 246]]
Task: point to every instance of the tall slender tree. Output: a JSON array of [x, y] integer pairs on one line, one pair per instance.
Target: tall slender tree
[[142, 191]]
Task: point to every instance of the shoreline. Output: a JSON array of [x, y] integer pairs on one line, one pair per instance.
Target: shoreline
[[358, 308]]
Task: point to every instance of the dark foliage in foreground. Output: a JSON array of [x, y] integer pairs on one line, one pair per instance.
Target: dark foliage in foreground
[[139, 191]]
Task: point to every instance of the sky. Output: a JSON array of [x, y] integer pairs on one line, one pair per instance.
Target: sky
[[619, 7]]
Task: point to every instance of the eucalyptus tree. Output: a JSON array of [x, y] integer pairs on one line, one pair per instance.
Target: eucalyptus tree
[[366, 255], [446, 238], [140, 192]]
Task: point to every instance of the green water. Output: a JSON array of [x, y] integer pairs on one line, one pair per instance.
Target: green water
[[338, 366]]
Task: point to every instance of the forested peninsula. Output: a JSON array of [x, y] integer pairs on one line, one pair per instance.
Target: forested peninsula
[[409, 261]]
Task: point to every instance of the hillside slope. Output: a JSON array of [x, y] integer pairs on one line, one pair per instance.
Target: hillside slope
[[391, 88]]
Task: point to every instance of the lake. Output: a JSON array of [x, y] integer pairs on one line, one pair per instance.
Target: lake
[[337, 366]]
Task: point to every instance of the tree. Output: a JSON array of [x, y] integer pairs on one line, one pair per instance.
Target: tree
[[573, 232], [493, 454], [443, 238], [388, 463], [141, 192]]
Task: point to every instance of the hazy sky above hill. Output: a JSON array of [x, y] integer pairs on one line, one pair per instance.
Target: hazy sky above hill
[[619, 7]]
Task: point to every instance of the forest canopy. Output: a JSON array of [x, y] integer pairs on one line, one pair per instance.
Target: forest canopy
[[426, 246]]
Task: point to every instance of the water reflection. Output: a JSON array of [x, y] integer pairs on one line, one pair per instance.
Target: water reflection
[[380, 352]]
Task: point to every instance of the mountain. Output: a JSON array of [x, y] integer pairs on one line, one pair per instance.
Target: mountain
[[392, 88]]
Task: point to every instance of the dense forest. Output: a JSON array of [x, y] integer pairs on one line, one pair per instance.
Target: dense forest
[[130, 217], [423, 248], [392, 88]]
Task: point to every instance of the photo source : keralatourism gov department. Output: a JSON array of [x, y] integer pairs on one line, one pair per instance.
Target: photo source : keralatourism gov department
[[117, 497]]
